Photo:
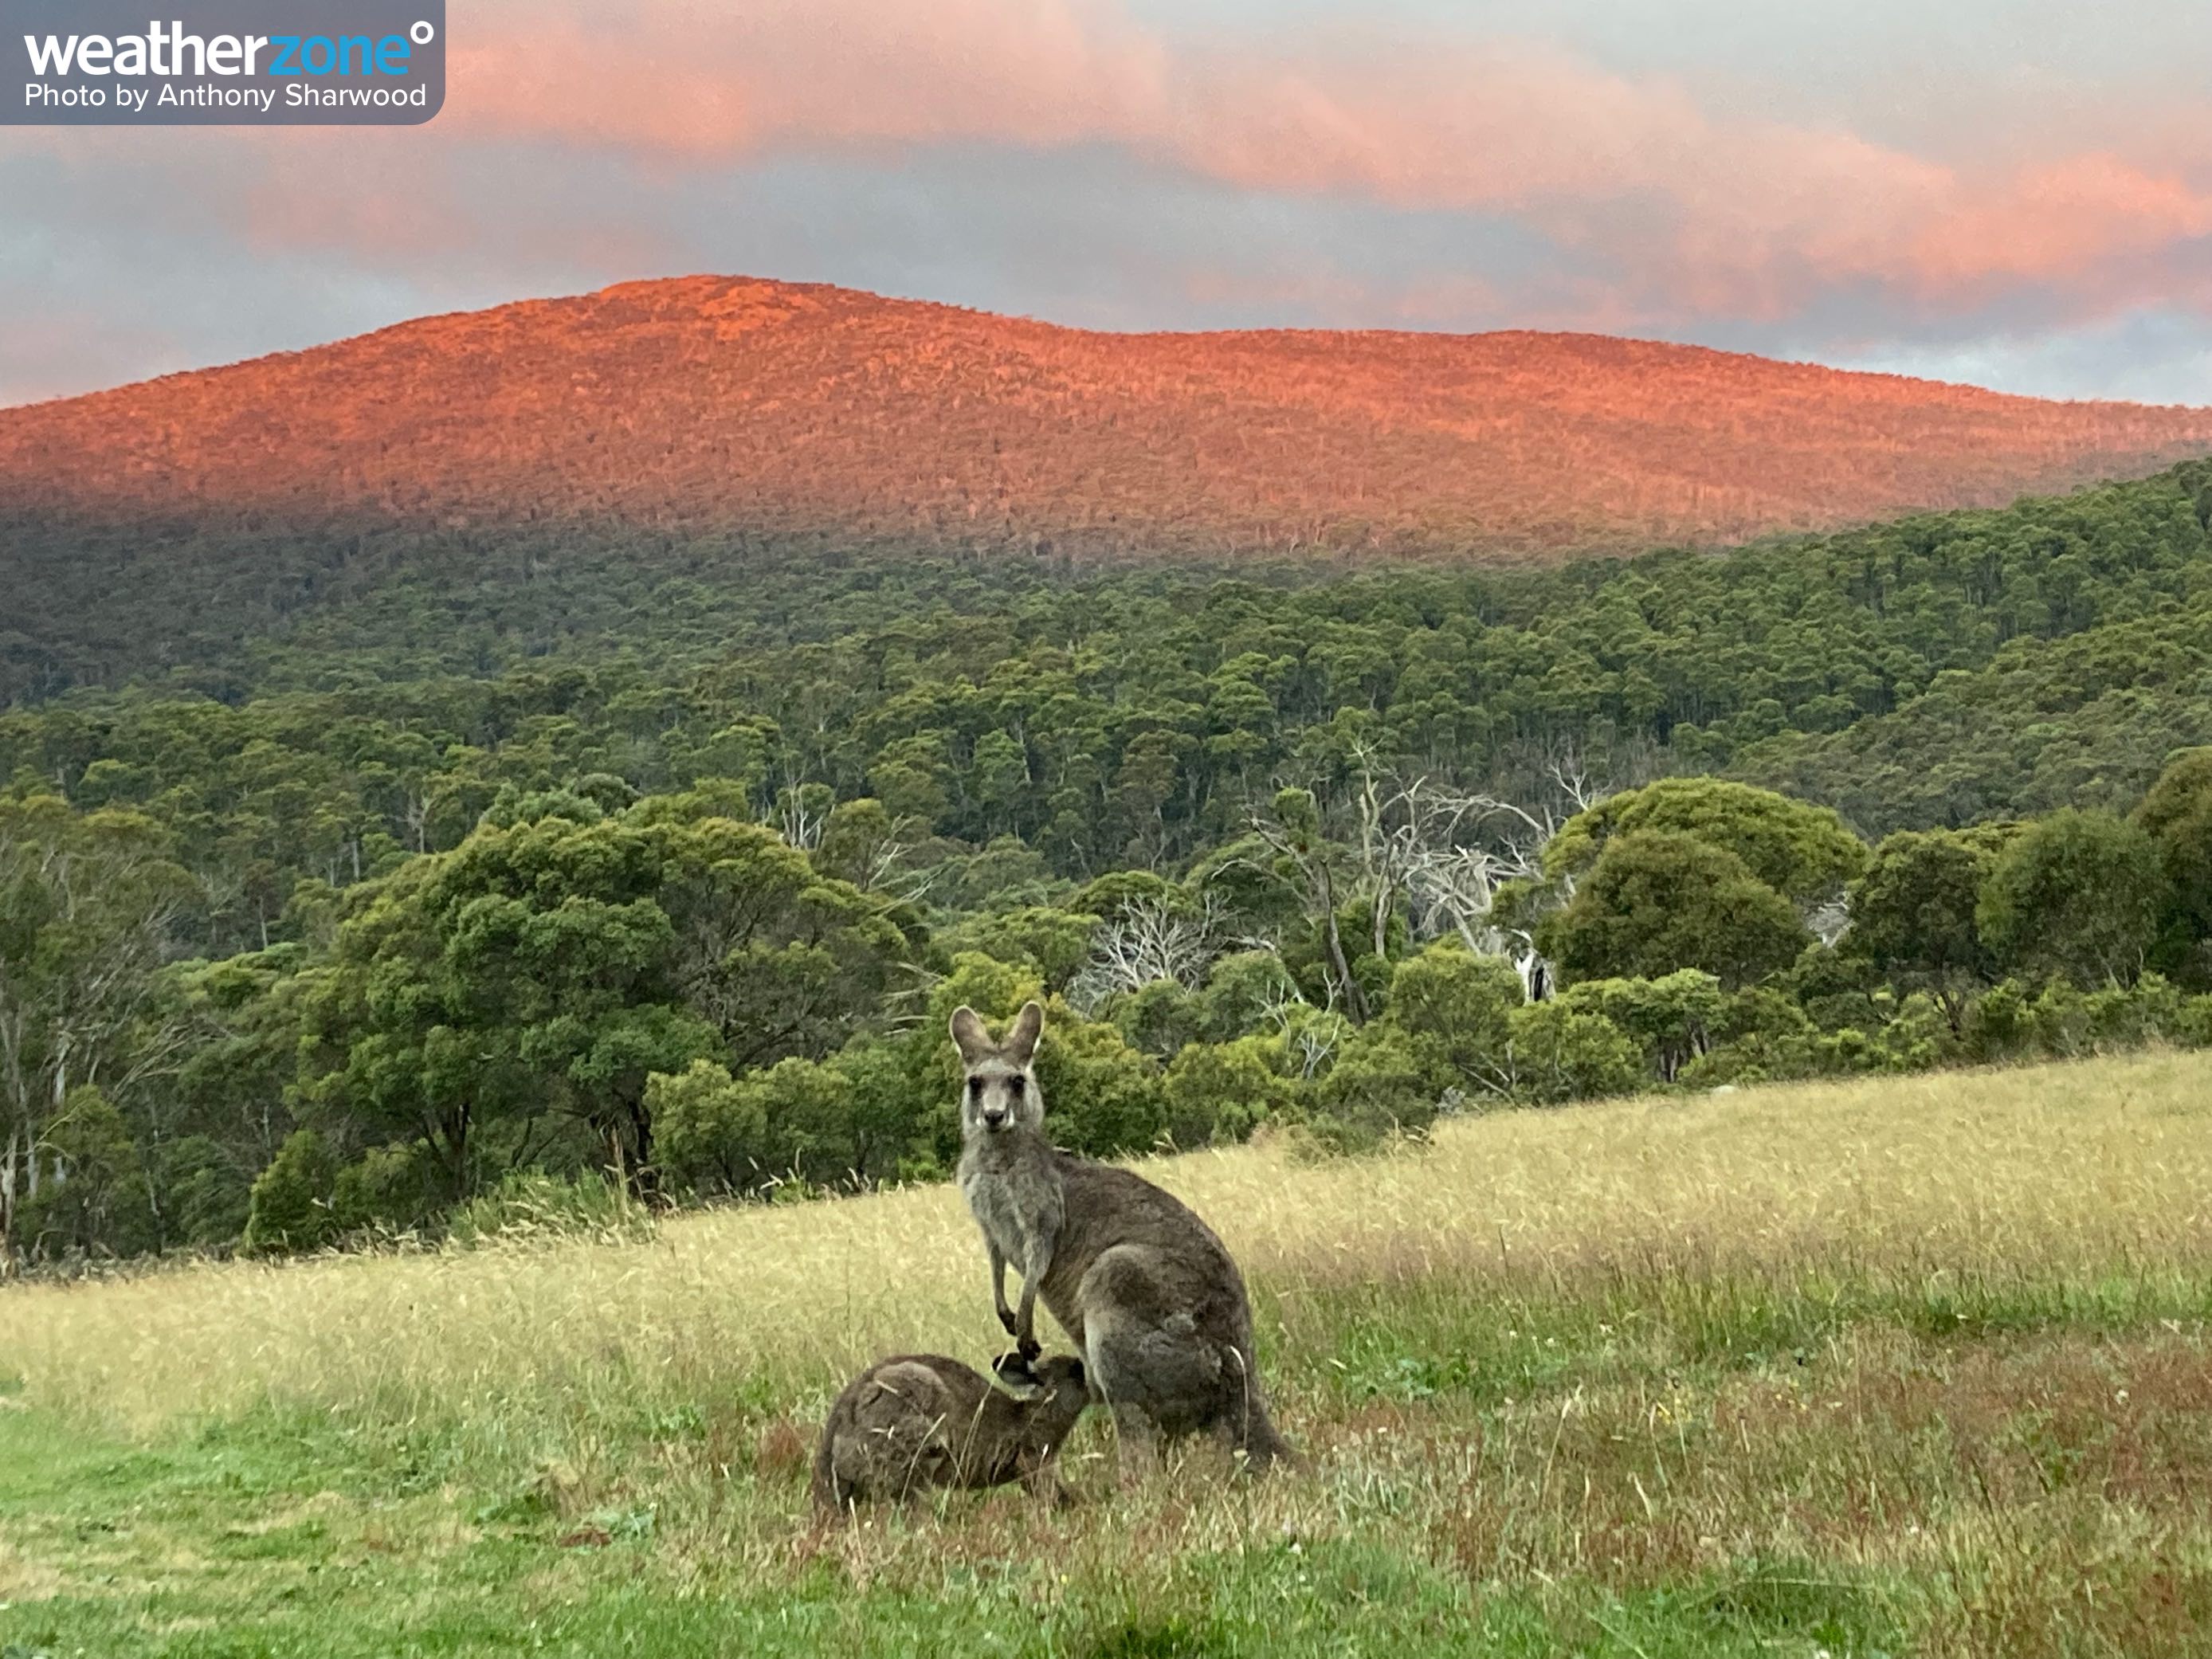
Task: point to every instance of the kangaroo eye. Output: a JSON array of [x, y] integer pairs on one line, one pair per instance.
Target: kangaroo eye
[[1014, 1086], [975, 1087]]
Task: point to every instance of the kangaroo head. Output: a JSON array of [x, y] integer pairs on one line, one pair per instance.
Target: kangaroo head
[[999, 1089], [1063, 1370], [1064, 1387]]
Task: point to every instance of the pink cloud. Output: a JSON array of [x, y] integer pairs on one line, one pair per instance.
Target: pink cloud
[[1736, 214], [1672, 207], [703, 82], [2062, 221]]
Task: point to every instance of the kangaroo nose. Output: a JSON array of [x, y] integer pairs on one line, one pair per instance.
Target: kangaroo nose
[[994, 1116]]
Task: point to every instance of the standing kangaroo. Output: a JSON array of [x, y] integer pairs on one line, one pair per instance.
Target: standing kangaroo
[[1149, 1295]]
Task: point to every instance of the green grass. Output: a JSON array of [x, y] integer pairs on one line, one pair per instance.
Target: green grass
[[233, 1544], [1882, 1489], [1919, 1367]]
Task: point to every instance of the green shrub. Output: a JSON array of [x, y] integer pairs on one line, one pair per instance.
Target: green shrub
[[99, 1197], [1919, 1038], [1801, 851], [291, 1205], [1221, 1092], [1673, 1018], [1998, 1026], [1102, 1097], [1657, 901], [1453, 1007], [1051, 943], [710, 1130], [1378, 1082], [389, 1187], [2077, 895], [205, 1198], [1241, 992], [1558, 1054], [1160, 1018]]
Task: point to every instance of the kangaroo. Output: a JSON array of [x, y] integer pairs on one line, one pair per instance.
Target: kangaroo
[[1149, 1297], [920, 1420]]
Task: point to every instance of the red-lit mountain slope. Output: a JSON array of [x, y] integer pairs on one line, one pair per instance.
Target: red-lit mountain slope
[[777, 406]]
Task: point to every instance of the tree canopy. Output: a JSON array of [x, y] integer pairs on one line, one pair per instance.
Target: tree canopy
[[637, 873]]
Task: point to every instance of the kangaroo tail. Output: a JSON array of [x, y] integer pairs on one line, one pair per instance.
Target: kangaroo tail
[[1254, 1432], [1264, 1446]]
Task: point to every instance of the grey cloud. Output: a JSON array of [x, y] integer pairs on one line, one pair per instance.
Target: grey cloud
[[130, 260]]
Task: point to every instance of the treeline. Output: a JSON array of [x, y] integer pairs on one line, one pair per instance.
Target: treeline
[[662, 994], [1938, 671], [436, 884]]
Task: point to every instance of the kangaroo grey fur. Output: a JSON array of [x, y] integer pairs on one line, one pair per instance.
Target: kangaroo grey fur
[[1149, 1297], [920, 1420]]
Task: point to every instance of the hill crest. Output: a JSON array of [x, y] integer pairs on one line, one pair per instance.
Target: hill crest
[[718, 401]]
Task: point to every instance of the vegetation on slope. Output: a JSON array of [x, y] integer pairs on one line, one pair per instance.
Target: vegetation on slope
[[715, 402], [1938, 669], [686, 1004], [372, 944]]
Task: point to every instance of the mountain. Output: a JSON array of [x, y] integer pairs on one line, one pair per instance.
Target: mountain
[[780, 408]]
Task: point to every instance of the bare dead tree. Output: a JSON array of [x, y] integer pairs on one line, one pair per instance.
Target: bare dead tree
[[1436, 852], [1445, 853], [414, 817], [1150, 940], [800, 820], [1315, 1047], [78, 993], [882, 865], [1296, 840], [1572, 779], [1830, 920], [1313, 1041]]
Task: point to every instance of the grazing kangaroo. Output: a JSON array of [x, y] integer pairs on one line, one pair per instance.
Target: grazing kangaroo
[[920, 1420], [1149, 1295]]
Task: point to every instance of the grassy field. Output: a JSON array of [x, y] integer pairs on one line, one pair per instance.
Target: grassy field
[[1921, 1366]]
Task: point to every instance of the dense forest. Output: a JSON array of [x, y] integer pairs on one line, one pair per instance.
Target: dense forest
[[364, 901], [806, 408]]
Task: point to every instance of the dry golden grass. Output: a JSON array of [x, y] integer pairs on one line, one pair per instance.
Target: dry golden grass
[[2065, 1172]]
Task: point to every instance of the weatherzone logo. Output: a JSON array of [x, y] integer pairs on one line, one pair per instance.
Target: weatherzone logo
[[261, 63]]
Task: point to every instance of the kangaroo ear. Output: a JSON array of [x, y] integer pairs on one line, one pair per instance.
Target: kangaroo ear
[[1021, 1042], [969, 1035]]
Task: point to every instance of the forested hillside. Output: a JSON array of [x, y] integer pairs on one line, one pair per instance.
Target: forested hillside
[[715, 429], [1940, 670], [446, 886]]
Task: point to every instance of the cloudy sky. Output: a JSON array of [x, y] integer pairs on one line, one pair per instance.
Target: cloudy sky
[[2012, 192]]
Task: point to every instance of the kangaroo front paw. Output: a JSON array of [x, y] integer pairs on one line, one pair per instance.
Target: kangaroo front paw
[[1015, 1375]]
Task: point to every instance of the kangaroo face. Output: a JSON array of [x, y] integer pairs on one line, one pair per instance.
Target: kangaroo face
[[1063, 1374], [997, 1098], [997, 1090]]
